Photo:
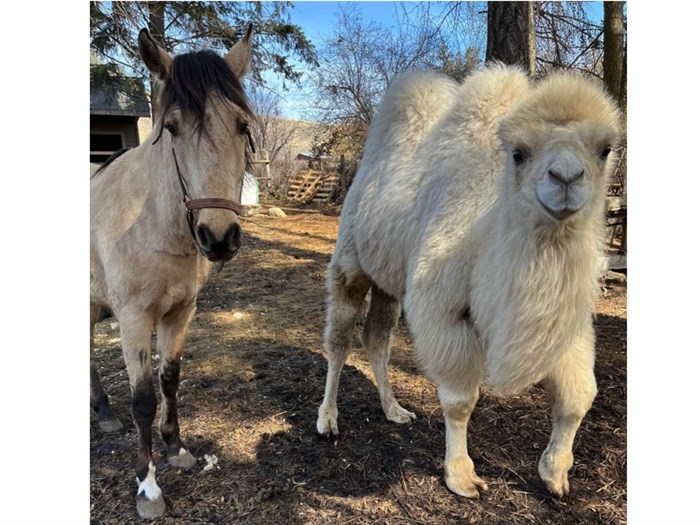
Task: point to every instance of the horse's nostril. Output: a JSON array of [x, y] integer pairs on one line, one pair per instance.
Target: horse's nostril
[[233, 237], [204, 236]]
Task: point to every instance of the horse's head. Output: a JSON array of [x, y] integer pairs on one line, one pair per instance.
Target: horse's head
[[203, 129]]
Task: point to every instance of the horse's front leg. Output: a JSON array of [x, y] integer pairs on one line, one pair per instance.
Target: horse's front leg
[[171, 333], [135, 329], [573, 387]]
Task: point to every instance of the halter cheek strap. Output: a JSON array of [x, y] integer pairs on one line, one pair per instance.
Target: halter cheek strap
[[198, 204]]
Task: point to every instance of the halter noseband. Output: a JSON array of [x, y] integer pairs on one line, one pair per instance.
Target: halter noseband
[[198, 204]]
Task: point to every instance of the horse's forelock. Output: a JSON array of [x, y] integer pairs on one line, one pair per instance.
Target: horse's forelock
[[195, 76]]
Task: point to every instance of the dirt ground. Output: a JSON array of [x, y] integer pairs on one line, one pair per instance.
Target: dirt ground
[[252, 379]]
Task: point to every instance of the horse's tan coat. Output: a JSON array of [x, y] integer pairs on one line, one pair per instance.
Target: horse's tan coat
[[145, 265]]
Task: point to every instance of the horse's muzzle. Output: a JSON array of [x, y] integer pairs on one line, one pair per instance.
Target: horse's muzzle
[[218, 250]]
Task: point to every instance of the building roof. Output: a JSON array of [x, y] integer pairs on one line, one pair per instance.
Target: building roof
[[118, 101]]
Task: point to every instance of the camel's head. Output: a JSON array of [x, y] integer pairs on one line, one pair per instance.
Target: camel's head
[[559, 143]]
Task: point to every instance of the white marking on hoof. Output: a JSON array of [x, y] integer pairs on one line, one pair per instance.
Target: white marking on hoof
[[148, 486]]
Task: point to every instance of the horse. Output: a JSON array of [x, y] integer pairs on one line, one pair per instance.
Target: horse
[[160, 215]]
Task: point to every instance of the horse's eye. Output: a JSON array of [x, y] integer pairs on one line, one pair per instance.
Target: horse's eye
[[606, 151], [518, 157], [243, 128], [172, 129]]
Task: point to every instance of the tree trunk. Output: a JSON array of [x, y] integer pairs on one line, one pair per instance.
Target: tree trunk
[[156, 26], [511, 34], [613, 52], [615, 78]]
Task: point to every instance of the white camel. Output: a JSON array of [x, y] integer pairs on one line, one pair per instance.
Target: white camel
[[481, 207]]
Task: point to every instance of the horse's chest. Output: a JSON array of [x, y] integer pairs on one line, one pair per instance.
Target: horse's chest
[[174, 297]]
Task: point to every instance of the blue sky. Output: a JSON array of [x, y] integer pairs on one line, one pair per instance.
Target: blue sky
[[317, 20]]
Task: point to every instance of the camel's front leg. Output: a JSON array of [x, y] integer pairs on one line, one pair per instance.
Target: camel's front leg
[[171, 334], [457, 407], [573, 387]]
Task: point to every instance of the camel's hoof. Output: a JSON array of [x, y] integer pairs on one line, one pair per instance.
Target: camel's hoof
[[183, 460], [327, 436], [399, 414], [553, 470], [111, 425], [327, 423], [467, 487], [557, 487], [148, 509]]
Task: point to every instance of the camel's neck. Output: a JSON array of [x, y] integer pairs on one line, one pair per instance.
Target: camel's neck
[[534, 292]]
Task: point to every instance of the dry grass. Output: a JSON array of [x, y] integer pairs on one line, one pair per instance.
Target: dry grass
[[252, 380]]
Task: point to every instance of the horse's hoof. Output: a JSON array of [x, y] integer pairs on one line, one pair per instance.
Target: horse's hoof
[[148, 509], [111, 425], [183, 460]]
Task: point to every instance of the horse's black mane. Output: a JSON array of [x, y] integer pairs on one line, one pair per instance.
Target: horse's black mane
[[194, 76], [110, 159]]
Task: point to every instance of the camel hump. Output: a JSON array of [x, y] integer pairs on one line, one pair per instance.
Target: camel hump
[[414, 102]]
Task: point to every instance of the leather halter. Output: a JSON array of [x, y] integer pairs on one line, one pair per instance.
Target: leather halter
[[198, 204]]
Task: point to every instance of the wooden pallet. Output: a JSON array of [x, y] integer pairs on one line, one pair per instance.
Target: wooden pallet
[[312, 185], [329, 186], [305, 185], [617, 220]]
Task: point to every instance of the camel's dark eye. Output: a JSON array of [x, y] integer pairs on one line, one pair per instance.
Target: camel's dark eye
[[172, 129], [243, 128], [606, 151], [518, 157]]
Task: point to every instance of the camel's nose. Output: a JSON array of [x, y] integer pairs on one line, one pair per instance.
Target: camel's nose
[[223, 249], [566, 170], [565, 178]]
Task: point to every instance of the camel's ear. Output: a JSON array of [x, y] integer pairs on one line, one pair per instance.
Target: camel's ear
[[238, 56], [157, 59]]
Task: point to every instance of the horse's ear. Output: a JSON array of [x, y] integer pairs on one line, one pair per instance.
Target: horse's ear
[[157, 59], [238, 56]]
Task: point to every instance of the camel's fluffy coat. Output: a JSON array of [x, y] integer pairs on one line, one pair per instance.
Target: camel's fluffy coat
[[495, 258]]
